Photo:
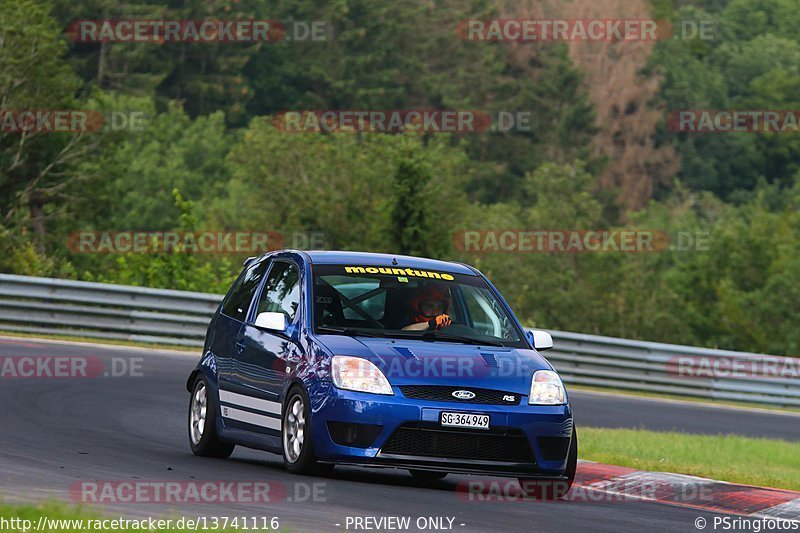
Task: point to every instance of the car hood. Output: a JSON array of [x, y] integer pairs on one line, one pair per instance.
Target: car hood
[[418, 362]]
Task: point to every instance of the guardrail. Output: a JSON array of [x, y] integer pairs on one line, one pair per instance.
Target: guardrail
[[609, 362], [103, 311]]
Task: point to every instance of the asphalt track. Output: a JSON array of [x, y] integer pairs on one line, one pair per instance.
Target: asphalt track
[[56, 432]]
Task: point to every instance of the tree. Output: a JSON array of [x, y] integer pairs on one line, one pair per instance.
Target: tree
[[341, 184], [623, 95], [396, 55], [33, 77], [753, 63]]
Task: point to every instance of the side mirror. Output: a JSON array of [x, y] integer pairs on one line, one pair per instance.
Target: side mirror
[[541, 339], [273, 321]]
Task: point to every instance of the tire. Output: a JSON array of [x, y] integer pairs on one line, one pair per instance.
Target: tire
[[427, 475], [296, 439], [543, 489], [203, 438]]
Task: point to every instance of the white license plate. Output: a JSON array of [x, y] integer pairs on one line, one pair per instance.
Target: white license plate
[[465, 420]]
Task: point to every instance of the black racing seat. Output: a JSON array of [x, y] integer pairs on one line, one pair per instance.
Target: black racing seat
[[398, 307]]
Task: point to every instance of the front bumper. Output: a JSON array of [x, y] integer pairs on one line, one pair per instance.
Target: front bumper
[[520, 441]]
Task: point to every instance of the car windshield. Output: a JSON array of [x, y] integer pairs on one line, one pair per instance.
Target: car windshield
[[400, 302]]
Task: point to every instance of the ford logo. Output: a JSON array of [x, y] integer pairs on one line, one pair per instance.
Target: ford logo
[[463, 394]]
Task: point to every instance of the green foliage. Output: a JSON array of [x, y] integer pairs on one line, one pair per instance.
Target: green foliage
[[775, 463], [33, 176], [208, 157], [139, 171], [178, 270], [32, 72], [752, 63], [342, 184], [396, 55], [202, 77], [411, 219]]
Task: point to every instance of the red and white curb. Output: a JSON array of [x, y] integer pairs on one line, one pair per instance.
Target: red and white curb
[[685, 491], [601, 483]]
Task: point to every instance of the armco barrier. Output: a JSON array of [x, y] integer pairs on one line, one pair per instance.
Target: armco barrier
[[103, 311]]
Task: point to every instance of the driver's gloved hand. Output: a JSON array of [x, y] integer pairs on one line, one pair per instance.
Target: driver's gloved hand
[[440, 321]]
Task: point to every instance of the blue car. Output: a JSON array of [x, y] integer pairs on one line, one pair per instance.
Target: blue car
[[380, 360]]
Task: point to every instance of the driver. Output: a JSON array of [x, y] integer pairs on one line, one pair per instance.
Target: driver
[[429, 308]]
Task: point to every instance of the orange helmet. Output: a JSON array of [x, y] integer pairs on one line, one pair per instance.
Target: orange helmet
[[430, 301]]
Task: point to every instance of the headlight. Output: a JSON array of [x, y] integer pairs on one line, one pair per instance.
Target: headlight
[[355, 373], [547, 389]]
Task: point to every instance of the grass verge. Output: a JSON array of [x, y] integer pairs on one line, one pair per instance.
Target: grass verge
[[745, 460], [691, 399]]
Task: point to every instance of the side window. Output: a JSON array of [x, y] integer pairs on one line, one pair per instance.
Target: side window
[[483, 309], [240, 296], [281, 292]]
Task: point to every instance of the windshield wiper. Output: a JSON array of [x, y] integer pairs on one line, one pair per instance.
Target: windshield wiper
[[350, 332], [439, 335], [424, 335]]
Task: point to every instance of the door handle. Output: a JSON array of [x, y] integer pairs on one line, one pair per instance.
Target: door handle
[[240, 346]]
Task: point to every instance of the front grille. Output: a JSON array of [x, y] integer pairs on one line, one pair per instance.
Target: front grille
[[498, 444], [438, 393]]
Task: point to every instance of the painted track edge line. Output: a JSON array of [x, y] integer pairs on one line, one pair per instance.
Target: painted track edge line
[[120, 347]]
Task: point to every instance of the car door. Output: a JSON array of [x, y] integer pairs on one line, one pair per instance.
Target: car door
[[232, 315], [265, 357]]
